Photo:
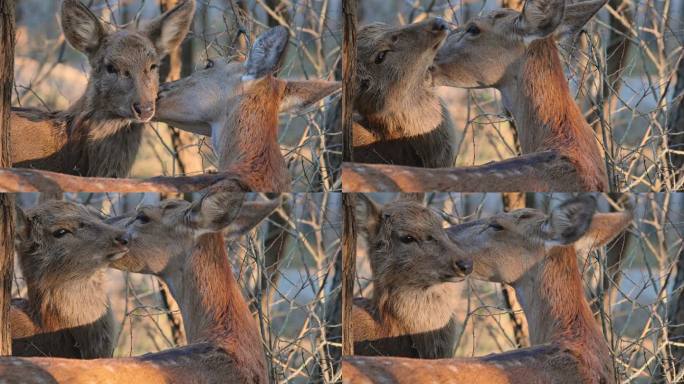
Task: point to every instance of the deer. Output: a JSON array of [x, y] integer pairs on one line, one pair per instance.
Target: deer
[[398, 118], [537, 254], [64, 249], [237, 103], [415, 266], [100, 134], [180, 242], [516, 53]]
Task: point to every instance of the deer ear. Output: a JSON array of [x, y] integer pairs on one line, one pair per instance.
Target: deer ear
[[82, 29], [251, 215], [214, 211], [267, 53], [569, 222], [372, 215], [169, 29], [539, 18], [300, 95], [576, 16], [604, 228]]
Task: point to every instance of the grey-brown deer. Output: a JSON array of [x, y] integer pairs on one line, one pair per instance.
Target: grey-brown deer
[[237, 103], [516, 53], [400, 120], [180, 242], [414, 266], [99, 135], [64, 249], [537, 254]]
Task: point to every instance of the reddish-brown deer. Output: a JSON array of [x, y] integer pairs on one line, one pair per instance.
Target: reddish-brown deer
[[414, 266], [180, 242], [238, 103], [537, 254], [99, 135], [400, 120], [64, 249], [516, 53]]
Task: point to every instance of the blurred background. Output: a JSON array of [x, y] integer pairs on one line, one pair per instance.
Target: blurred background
[[51, 75], [295, 300], [622, 74], [635, 304]]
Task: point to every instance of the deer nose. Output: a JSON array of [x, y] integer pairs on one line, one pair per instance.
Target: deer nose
[[439, 25], [143, 111], [122, 240], [464, 267]]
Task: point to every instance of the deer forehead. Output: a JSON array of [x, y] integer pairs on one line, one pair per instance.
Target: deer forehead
[[131, 49]]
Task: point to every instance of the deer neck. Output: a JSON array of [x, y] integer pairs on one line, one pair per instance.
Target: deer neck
[[552, 298], [415, 310], [212, 304], [69, 302], [546, 115], [248, 143], [98, 143], [418, 114]]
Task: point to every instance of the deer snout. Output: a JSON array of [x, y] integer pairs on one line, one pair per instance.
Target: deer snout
[[122, 240], [439, 24], [463, 267], [143, 111]]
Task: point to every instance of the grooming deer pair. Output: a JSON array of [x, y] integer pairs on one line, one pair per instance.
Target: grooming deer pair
[[410, 314], [237, 103], [63, 248], [401, 121]]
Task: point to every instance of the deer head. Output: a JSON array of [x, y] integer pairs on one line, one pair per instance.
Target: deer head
[[61, 241], [229, 98], [489, 50], [393, 63], [408, 247], [507, 246], [124, 78]]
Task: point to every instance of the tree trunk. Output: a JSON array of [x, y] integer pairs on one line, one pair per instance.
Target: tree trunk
[[512, 201], [6, 201], [349, 271], [349, 74]]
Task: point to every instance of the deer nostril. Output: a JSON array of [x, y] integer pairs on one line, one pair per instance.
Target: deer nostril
[[439, 25], [464, 267], [122, 239]]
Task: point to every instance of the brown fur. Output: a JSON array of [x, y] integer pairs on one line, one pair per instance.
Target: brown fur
[[241, 114], [537, 254], [180, 243], [400, 119], [511, 54], [99, 135], [67, 313], [411, 310]]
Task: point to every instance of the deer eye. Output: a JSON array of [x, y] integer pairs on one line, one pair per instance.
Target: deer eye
[[60, 233], [473, 30], [380, 57], [210, 64], [110, 69], [496, 227], [407, 239], [142, 218], [153, 67]]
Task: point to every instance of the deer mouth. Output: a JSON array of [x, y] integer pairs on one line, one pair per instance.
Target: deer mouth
[[117, 255]]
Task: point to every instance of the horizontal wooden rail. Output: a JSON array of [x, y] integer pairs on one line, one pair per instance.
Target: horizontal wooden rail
[[31, 180], [537, 172]]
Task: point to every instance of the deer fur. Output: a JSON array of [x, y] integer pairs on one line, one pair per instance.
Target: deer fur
[[399, 119], [537, 255], [99, 135], [411, 311], [181, 243], [237, 103], [67, 313], [516, 53]]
